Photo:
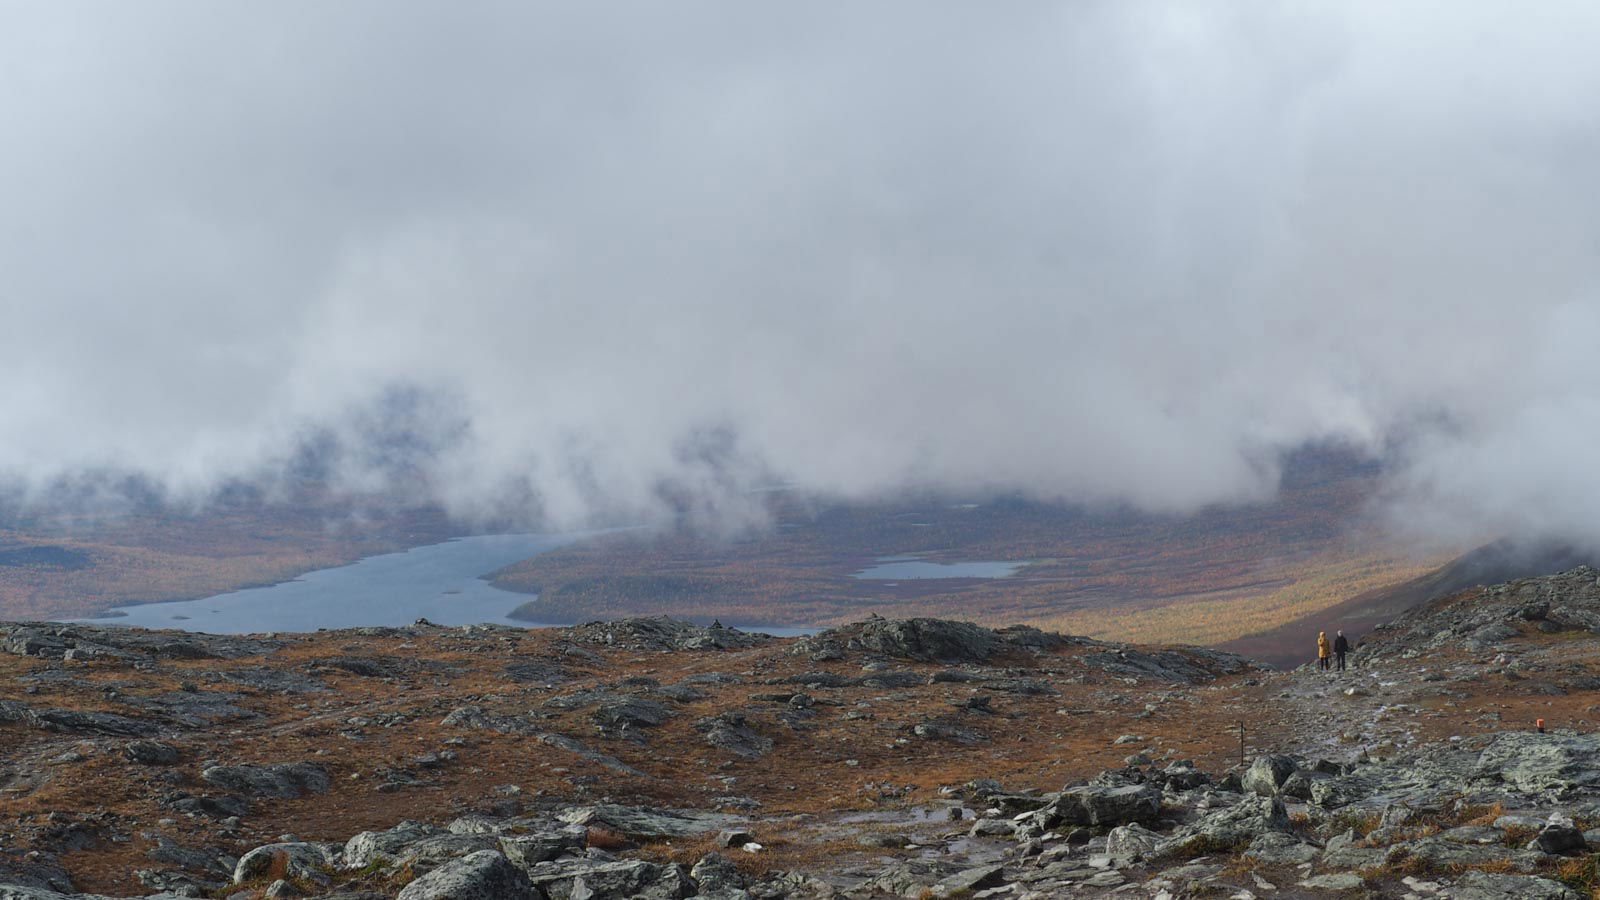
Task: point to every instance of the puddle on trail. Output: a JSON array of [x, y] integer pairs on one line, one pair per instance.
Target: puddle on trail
[[916, 815]]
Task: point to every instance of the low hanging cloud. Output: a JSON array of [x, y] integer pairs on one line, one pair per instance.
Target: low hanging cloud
[[580, 261]]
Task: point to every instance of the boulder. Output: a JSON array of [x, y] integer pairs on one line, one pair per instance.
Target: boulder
[[528, 849], [283, 780], [570, 879], [484, 875], [1558, 835], [716, 875], [1534, 763], [1485, 886], [304, 862], [1131, 842], [1268, 774], [619, 713], [1280, 848], [731, 731], [429, 852], [646, 822], [1231, 828], [151, 753], [383, 846], [924, 640], [968, 881], [1102, 806]]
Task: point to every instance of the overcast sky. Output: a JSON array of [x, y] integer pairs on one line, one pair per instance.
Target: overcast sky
[[1107, 252]]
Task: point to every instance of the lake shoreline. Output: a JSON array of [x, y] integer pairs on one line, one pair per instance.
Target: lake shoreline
[[446, 582]]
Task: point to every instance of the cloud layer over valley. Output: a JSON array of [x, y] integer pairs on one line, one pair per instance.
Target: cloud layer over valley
[[591, 260]]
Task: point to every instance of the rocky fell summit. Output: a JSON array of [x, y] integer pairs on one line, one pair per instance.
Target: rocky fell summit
[[889, 758]]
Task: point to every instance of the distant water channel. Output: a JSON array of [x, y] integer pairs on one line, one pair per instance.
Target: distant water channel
[[442, 583]]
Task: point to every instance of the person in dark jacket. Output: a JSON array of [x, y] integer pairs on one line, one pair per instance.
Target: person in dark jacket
[[1341, 646]]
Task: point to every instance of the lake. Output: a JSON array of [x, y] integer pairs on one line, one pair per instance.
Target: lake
[[441, 583]]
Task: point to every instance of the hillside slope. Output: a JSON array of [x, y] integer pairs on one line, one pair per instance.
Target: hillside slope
[[887, 758], [1293, 641]]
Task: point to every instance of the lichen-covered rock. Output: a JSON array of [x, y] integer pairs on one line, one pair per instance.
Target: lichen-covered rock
[[1268, 774], [1102, 806], [151, 753], [647, 822], [1485, 886], [295, 861], [1230, 829], [925, 640], [716, 876], [1131, 842], [529, 849], [368, 847], [485, 875], [569, 879], [282, 780], [1534, 763], [731, 731]]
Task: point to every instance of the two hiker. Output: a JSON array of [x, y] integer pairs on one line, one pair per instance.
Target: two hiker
[[1341, 646]]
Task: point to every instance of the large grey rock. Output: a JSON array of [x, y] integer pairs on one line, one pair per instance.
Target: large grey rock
[[55, 639], [1268, 774], [485, 875], [968, 881], [575, 879], [731, 731], [1484, 886], [199, 860], [1534, 763], [478, 718], [368, 847], [21, 892], [926, 640], [1131, 842], [906, 878], [646, 822], [296, 861], [1335, 881], [429, 852], [623, 712], [1439, 853], [1559, 835], [1102, 806], [716, 876], [282, 780], [1280, 848], [1231, 828], [529, 849], [80, 720], [1302, 783]]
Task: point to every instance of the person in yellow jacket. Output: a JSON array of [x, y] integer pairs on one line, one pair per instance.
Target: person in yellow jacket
[[1322, 650]]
